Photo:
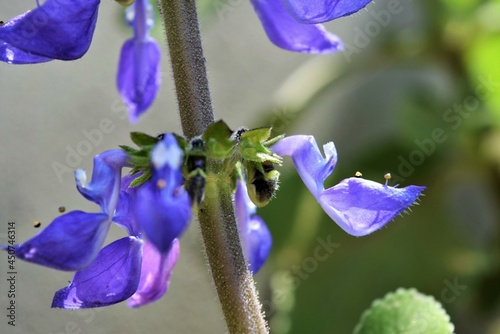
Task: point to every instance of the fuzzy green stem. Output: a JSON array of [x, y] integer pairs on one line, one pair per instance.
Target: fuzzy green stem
[[234, 282], [188, 63], [219, 229]]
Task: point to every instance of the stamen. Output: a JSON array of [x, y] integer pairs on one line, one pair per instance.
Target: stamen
[[37, 224], [358, 174], [387, 177], [62, 209], [161, 183]]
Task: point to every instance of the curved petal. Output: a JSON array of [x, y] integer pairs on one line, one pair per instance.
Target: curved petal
[[104, 188], [124, 214], [58, 29], [308, 160], [138, 77], [255, 237], [163, 212], [155, 274], [361, 206], [322, 11], [257, 243], [284, 31], [110, 279], [70, 242], [162, 205]]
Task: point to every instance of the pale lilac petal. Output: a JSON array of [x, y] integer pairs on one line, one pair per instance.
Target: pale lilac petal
[[257, 243], [70, 242], [361, 206], [324, 10], [155, 274], [138, 77], [58, 29], [284, 31], [113, 277], [104, 187], [255, 237], [312, 167]]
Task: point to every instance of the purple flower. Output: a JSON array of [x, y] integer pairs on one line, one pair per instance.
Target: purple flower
[[293, 24], [128, 268], [58, 29], [138, 77], [63, 29], [73, 240], [255, 236], [358, 206]]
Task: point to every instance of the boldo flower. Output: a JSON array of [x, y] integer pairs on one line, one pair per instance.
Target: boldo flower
[[129, 268], [255, 237], [294, 24], [138, 77], [63, 29], [358, 206]]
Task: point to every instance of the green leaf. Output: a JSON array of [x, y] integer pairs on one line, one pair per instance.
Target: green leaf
[[141, 179], [142, 139], [218, 140], [405, 311]]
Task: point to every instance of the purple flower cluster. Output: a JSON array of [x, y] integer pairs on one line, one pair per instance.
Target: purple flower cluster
[[138, 267]]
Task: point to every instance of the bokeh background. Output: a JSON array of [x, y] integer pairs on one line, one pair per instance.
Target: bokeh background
[[416, 94]]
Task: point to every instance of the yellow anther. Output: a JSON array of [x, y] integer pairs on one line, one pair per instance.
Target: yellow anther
[[62, 209], [36, 224], [358, 174], [161, 183]]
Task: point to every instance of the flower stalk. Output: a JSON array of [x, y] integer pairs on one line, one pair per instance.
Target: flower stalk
[[233, 280], [188, 63]]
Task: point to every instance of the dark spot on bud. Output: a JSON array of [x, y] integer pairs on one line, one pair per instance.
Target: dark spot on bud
[[1, 23], [160, 136]]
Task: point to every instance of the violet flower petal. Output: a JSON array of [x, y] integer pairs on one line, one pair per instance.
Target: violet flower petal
[[110, 279], [312, 167], [155, 274], [361, 206], [162, 205], [71, 242], [258, 243], [256, 240], [138, 77], [124, 214], [58, 29], [322, 11], [104, 187], [284, 31]]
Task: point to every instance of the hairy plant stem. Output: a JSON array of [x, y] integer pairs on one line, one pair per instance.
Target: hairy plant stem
[[188, 63], [234, 283]]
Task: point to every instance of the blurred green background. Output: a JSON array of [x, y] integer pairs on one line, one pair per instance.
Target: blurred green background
[[416, 94]]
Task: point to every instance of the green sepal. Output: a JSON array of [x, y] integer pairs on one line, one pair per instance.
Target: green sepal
[[129, 150], [183, 143], [218, 141], [405, 311], [141, 179], [252, 146], [141, 139]]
